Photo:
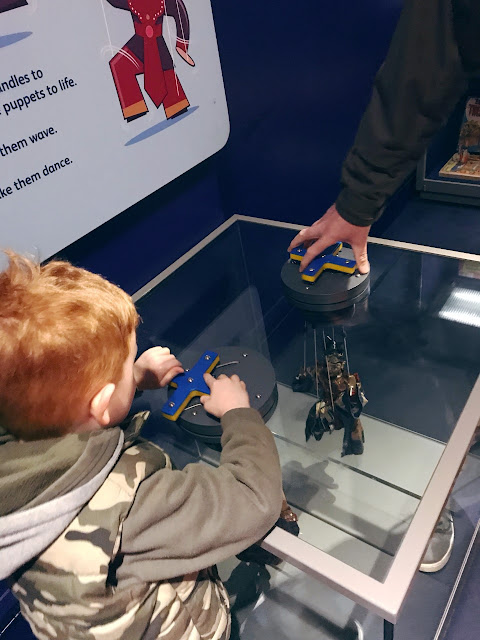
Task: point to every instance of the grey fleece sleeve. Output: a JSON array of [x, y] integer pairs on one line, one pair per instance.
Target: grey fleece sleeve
[[414, 92], [183, 521]]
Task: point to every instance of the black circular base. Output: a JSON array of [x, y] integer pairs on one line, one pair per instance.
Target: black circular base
[[251, 367], [332, 294]]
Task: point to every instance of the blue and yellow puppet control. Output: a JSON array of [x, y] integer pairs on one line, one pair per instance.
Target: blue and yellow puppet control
[[329, 259], [189, 384]]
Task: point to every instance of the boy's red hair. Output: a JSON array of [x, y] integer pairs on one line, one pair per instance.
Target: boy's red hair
[[64, 333]]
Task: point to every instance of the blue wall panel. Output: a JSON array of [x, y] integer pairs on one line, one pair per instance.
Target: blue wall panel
[[298, 77], [140, 242]]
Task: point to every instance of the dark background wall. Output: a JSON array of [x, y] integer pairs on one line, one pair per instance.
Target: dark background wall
[[136, 245], [297, 77]]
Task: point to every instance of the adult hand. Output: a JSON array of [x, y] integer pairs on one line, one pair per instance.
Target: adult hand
[[155, 368], [331, 228], [225, 394]]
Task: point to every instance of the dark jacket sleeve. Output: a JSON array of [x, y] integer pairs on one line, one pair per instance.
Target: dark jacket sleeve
[[414, 92], [186, 520]]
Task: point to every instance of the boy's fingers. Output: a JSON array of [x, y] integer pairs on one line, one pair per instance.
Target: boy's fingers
[[170, 375], [209, 379], [235, 378], [160, 355], [159, 351], [170, 362]]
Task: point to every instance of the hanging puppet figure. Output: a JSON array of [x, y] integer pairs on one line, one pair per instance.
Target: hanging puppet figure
[[147, 52], [340, 398], [6, 5]]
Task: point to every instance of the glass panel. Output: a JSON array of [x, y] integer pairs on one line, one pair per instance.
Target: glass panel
[[417, 366]]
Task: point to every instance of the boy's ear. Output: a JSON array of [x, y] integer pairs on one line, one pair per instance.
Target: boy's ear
[[100, 404]]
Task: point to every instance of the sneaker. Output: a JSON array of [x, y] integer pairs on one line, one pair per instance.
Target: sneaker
[[440, 545]]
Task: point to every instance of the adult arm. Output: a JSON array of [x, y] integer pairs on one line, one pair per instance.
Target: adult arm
[[417, 87], [414, 92]]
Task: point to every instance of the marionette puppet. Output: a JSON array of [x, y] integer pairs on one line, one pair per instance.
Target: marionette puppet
[[147, 52], [7, 5], [329, 292], [340, 399]]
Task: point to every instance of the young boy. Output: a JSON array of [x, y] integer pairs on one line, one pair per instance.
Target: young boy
[[100, 536]]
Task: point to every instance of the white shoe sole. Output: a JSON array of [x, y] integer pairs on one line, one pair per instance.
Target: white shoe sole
[[433, 567]]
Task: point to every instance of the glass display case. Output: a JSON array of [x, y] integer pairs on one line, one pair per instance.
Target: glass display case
[[365, 520]]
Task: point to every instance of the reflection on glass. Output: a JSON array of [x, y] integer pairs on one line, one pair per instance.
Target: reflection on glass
[[463, 305]]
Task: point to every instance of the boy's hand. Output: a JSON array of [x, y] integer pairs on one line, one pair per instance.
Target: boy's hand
[[225, 394], [155, 368]]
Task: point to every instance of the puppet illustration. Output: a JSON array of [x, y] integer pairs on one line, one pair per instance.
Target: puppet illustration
[[7, 5], [147, 52]]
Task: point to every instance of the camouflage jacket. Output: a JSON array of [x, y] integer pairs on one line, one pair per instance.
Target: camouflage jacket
[[131, 564]]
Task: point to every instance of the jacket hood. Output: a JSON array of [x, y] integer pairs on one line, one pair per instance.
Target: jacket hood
[[44, 484]]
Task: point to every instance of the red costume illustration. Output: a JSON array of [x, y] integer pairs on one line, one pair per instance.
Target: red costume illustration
[[146, 52], [6, 5]]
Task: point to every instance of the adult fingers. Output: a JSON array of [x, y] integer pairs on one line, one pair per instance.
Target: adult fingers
[[306, 236], [313, 251], [361, 256], [298, 240]]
